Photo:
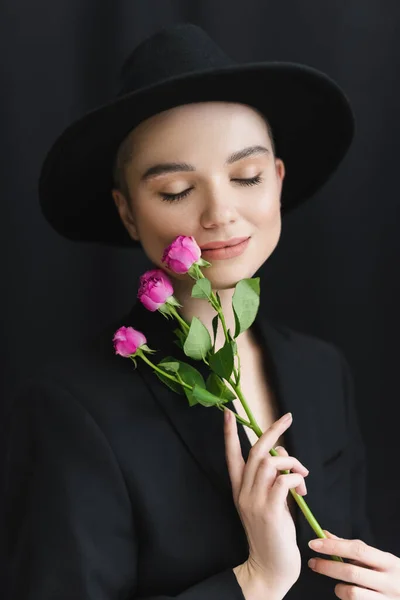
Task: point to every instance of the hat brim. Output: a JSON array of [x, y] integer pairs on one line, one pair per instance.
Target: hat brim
[[310, 116]]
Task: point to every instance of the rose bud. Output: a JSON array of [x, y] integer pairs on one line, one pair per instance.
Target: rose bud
[[127, 340], [155, 288], [181, 254]]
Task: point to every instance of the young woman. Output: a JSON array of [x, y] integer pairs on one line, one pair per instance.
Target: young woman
[[117, 488]]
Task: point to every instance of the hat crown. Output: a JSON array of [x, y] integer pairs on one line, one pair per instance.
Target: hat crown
[[171, 52]]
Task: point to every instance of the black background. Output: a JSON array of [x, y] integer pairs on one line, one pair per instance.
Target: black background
[[335, 273]]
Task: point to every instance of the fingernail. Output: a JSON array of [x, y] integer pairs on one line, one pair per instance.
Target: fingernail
[[315, 544], [287, 417], [311, 563], [278, 448], [226, 415]]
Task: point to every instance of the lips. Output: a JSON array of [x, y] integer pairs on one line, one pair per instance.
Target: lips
[[223, 244], [227, 252]]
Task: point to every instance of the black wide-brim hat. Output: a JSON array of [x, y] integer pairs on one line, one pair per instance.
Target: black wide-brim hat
[[310, 116]]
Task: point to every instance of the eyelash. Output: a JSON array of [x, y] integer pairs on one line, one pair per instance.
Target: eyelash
[[173, 197]]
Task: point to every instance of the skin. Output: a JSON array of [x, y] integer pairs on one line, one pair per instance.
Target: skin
[[369, 573], [217, 207]]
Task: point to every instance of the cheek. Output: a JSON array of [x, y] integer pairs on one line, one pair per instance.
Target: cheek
[[155, 222], [158, 225], [265, 210]]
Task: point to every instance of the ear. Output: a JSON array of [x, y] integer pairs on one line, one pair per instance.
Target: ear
[[125, 213], [280, 173], [280, 169]]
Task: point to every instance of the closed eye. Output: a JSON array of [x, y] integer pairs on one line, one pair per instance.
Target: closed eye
[[172, 197]]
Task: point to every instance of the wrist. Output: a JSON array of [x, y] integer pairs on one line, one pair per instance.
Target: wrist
[[254, 585]]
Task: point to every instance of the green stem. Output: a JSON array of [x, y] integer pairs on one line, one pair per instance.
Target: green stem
[[185, 326], [240, 419], [236, 372]]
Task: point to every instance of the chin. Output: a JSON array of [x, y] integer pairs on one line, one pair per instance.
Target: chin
[[226, 278]]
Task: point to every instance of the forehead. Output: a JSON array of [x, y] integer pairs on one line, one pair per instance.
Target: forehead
[[191, 127]]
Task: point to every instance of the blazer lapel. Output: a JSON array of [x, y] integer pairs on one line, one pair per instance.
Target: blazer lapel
[[293, 378], [201, 428]]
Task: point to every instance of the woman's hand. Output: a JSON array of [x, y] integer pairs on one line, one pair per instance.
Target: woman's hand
[[372, 574], [260, 492]]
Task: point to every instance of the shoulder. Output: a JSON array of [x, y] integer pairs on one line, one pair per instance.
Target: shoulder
[[308, 348], [90, 375], [312, 369]]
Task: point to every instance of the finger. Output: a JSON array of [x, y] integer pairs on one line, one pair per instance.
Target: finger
[[233, 452], [335, 537], [281, 487], [300, 467], [345, 590], [290, 463], [281, 451], [357, 550], [331, 535], [265, 481], [261, 449], [267, 471], [262, 477], [349, 573]]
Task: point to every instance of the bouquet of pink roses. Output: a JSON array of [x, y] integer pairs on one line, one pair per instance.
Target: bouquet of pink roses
[[183, 255]]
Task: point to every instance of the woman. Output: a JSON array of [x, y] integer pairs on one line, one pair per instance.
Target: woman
[[117, 488]]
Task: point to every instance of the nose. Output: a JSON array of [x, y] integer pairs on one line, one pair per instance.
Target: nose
[[219, 209]]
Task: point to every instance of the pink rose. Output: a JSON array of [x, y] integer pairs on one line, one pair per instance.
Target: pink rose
[[127, 340], [155, 288], [181, 254]]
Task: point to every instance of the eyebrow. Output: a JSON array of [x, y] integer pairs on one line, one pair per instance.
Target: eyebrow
[[175, 167]]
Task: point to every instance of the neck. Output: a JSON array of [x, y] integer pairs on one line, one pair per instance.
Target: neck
[[203, 310]]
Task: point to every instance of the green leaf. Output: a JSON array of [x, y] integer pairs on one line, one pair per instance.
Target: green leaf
[[188, 374], [203, 263], [215, 327], [168, 363], [202, 289], [172, 366], [192, 377], [234, 344], [172, 301], [174, 386], [222, 361], [219, 299], [216, 386], [245, 303], [198, 340], [145, 348], [204, 397], [164, 310], [181, 337]]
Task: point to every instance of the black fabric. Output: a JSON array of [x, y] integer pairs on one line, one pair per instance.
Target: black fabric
[[117, 488], [310, 116]]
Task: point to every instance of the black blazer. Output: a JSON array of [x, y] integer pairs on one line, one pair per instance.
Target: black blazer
[[118, 489]]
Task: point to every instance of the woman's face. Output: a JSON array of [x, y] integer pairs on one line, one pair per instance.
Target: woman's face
[[212, 202]]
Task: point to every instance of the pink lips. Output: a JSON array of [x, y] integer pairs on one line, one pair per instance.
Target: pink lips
[[223, 244], [226, 252]]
